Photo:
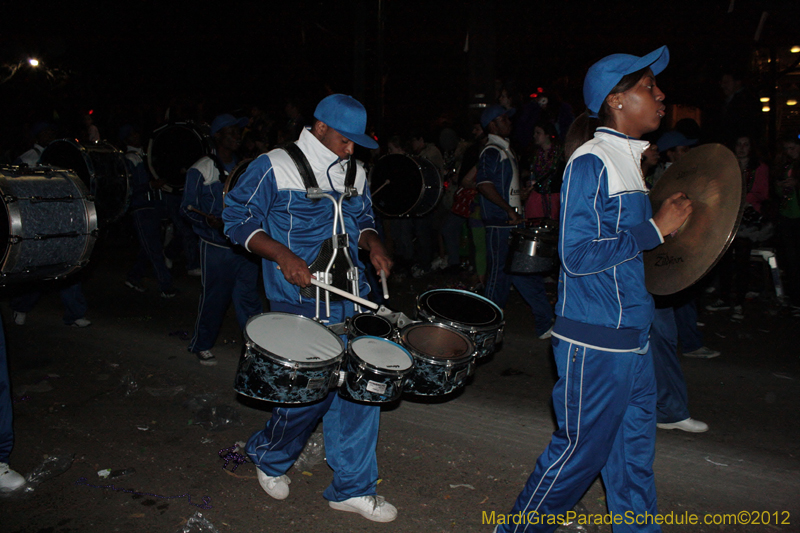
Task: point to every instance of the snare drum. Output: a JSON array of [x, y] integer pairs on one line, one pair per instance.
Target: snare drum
[[469, 313], [50, 224], [173, 149], [534, 249], [375, 370], [288, 359], [102, 169], [443, 358], [368, 324], [405, 185]]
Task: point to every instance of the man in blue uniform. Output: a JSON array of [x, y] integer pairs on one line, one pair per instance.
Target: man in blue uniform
[[270, 214], [228, 272], [501, 210]]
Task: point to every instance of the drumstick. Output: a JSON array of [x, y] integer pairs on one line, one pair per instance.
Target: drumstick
[[193, 209], [385, 183], [384, 285], [340, 292]]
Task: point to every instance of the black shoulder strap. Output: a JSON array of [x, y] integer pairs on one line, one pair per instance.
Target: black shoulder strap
[[223, 174], [350, 177], [303, 167]]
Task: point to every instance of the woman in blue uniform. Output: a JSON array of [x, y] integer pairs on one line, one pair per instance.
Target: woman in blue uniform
[[605, 397]]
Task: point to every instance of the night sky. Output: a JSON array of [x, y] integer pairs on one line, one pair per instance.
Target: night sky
[[115, 57]]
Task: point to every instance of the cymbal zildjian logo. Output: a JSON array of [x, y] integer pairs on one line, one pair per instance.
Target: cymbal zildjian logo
[[666, 260]]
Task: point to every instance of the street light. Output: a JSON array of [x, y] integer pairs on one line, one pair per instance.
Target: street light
[[33, 62], [795, 49]]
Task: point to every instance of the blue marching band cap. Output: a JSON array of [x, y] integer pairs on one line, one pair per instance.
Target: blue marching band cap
[[672, 139], [494, 111], [604, 75], [226, 120], [347, 116]]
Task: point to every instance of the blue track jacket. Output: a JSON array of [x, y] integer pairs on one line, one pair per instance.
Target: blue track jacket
[[270, 197], [606, 224]]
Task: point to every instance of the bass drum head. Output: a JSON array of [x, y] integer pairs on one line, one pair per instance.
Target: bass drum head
[[233, 178], [173, 149], [69, 155], [397, 184], [102, 169], [294, 338], [461, 307], [381, 354]]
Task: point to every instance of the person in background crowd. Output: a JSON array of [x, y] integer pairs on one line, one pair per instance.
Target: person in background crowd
[[787, 175], [228, 272]]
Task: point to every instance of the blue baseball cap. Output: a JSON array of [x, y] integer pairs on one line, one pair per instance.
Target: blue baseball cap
[[225, 120], [671, 139], [604, 75], [494, 111], [347, 116]]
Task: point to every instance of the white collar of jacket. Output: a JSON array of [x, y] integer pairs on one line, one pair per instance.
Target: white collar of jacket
[[622, 156], [499, 141], [323, 162]]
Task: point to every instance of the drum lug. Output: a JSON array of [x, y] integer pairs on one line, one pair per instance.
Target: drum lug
[[14, 239], [342, 374], [9, 199]]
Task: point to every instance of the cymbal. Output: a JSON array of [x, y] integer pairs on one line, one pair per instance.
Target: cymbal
[[710, 177]]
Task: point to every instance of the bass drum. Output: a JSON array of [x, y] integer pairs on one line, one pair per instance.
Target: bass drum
[[173, 149], [49, 223], [405, 186], [102, 169]]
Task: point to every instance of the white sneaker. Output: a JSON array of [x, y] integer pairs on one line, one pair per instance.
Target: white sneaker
[[737, 313], [195, 272], [206, 358], [719, 305], [277, 487], [19, 319], [690, 424], [81, 323], [374, 508], [9, 479]]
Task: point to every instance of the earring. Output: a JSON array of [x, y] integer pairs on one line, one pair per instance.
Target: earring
[[619, 106]]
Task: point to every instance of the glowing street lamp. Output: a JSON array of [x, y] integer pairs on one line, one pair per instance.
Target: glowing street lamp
[[33, 62], [795, 49]]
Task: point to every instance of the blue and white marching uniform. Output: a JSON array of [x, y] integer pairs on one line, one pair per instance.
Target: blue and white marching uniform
[[605, 398], [227, 272], [271, 197], [498, 165]]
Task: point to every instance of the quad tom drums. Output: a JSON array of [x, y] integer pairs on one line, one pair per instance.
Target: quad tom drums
[[405, 185], [475, 316], [173, 149], [288, 359], [375, 370], [49, 222], [102, 169], [534, 249], [443, 358]]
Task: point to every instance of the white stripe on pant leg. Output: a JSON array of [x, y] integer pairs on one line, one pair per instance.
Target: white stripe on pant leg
[[494, 251], [203, 262], [270, 446], [566, 424]]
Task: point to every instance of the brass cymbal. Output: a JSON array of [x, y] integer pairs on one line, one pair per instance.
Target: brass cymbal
[[710, 176]]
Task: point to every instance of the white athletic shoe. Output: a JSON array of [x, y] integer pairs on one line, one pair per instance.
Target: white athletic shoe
[[374, 508], [690, 424], [19, 318], [9, 479], [277, 487]]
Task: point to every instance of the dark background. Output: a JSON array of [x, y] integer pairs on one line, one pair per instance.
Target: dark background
[[130, 60]]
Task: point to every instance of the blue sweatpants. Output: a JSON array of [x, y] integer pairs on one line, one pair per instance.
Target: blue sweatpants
[[605, 409], [350, 430], [673, 399], [226, 274], [686, 322], [72, 298], [147, 222], [498, 283], [6, 407]]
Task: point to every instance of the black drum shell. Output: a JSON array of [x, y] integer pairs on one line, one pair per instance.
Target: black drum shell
[[532, 251], [172, 150], [405, 186]]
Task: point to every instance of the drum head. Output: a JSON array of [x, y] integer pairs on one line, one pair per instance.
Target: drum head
[[173, 149], [437, 342], [69, 155], [381, 354], [376, 326], [461, 307], [293, 338], [397, 184]]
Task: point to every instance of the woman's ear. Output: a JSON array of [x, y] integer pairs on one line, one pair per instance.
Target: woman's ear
[[614, 100]]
